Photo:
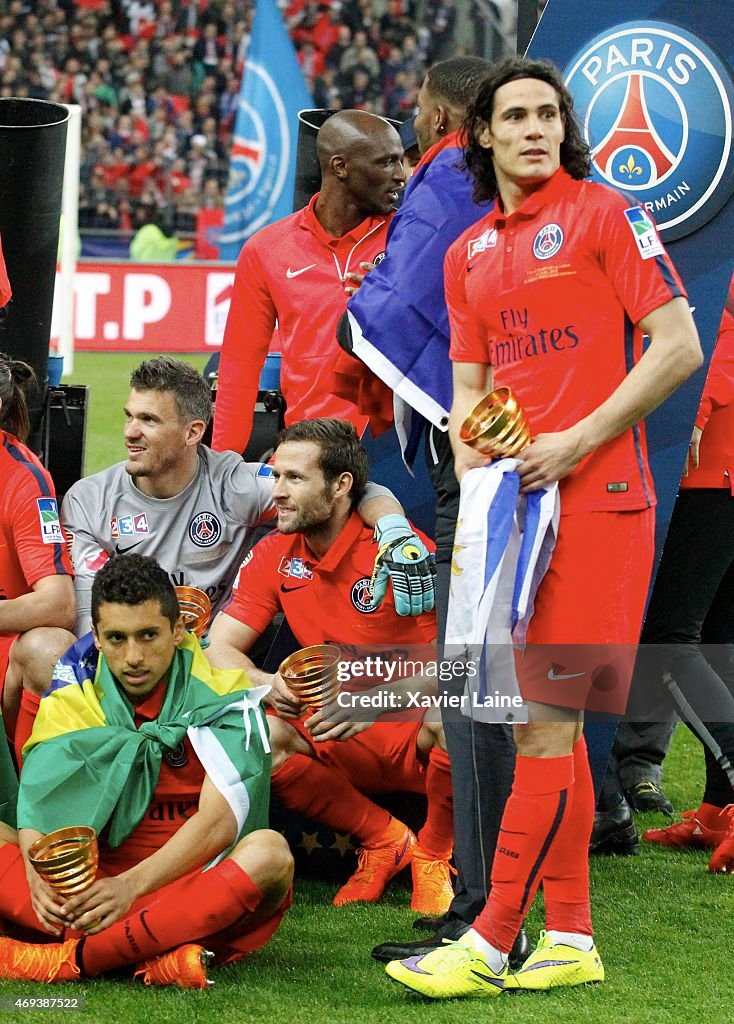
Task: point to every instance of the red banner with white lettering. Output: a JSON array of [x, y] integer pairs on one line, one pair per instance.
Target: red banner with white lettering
[[155, 307]]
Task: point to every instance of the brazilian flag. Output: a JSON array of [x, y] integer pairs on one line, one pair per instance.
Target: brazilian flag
[[86, 763]]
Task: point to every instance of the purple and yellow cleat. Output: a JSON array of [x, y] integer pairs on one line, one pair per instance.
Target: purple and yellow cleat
[[455, 970]]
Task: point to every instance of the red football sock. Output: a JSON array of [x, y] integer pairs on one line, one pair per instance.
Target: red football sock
[[566, 868], [185, 911], [325, 794], [534, 813], [437, 835], [15, 895], [29, 705]]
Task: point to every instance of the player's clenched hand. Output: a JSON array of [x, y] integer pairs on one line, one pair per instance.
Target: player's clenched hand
[[550, 457], [404, 560], [106, 901], [331, 723], [282, 699], [47, 904]]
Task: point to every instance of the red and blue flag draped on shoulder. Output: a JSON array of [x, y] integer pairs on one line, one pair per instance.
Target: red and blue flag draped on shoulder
[[398, 318]]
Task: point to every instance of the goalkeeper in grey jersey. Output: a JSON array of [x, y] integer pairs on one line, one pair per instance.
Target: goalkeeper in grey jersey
[[194, 510]]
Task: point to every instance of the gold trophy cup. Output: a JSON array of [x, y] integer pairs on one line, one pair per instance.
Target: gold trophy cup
[[67, 859], [312, 674], [196, 608], [496, 426]]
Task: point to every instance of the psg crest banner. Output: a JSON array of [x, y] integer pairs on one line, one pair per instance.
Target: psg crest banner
[[653, 87], [263, 157]]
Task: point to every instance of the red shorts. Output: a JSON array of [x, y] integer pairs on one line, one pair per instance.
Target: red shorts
[[382, 759], [582, 640]]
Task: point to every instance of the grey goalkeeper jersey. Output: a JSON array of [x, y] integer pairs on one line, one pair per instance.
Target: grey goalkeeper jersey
[[200, 536]]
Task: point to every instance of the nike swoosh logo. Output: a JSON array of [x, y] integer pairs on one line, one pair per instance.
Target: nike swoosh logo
[[499, 982], [294, 273], [287, 590], [123, 551], [568, 675], [401, 853]]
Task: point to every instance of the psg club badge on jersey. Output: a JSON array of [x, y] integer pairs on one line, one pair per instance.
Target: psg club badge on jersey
[[205, 529], [361, 598]]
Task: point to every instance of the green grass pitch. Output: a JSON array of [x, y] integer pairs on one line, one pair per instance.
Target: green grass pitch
[[665, 927]]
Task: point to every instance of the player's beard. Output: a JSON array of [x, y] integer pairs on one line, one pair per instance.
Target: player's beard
[[158, 465], [313, 519]]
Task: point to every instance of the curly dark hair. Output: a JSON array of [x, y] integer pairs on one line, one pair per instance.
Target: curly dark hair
[[575, 153], [190, 391], [134, 579], [340, 450]]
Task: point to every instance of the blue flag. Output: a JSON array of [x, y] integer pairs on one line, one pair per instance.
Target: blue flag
[[263, 158]]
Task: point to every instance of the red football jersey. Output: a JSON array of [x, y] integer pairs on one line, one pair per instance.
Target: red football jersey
[[324, 600], [32, 542], [290, 273], [716, 414], [549, 297]]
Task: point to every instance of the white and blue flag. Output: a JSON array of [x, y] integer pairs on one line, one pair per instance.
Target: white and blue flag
[[263, 157], [502, 549]]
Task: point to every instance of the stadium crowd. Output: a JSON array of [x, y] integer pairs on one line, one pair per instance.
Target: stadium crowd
[[158, 82]]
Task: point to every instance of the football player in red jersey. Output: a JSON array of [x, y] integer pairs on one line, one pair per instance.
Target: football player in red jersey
[[296, 271], [36, 589], [316, 569], [550, 294], [149, 745]]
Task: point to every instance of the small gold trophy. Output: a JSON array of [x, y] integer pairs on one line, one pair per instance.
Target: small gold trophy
[[196, 608], [496, 426], [67, 859], [312, 674]]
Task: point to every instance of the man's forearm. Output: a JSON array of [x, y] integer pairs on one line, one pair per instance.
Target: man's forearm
[[26, 839], [198, 841], [221, 654], [19, 614], [377, 502]]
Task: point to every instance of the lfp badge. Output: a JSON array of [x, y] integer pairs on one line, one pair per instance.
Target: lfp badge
[[655, 105]]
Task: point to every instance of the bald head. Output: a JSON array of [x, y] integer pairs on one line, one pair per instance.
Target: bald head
[[360, 155], [350, 130]]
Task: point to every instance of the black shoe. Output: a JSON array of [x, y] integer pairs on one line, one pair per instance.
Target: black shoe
[[648, 796], [432, 924], [614, 832], [453, 929], [520, 951]]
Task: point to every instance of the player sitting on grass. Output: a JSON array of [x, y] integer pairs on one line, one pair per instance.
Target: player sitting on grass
[[316, 569], [168, 760]]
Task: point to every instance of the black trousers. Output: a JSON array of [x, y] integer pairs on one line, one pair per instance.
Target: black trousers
[[482, 755], [692, 613]]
